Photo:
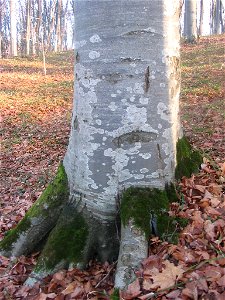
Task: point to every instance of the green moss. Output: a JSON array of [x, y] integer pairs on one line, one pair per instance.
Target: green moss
[[171, 192], [115, 295], [188, 160], [148, 206], [170, 227], [48, 205], [66, 242], [142, 205]]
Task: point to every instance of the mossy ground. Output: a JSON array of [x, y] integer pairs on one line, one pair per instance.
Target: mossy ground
[[50, 202], [188, 160], [149, 210]]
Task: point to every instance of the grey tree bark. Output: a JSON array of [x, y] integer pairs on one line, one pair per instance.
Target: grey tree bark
[[217, 8], [222, 18], [13, 31], [38, 27], [28, 26], [190, 21], [125, 116], [124, 131], [58, 37], [200, 30]]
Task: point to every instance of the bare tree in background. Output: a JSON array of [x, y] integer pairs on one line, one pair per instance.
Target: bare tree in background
[[200, 29], [217, 25], [28, 26], [20, 30], [190, 21], [13, 29]]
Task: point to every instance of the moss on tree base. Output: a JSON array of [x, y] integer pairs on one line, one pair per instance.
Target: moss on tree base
[[188, 160], [65, 243], [39, 219], [149, 210]]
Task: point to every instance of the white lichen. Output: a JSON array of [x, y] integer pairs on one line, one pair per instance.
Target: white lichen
[[94, 54], [95, 39]]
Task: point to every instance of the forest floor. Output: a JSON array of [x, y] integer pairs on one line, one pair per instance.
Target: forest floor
[[35, 125]]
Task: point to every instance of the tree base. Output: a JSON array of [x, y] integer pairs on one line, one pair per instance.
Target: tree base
[[65, 232], [70, 235]]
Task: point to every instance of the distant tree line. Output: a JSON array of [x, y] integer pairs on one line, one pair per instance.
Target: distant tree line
[[28, 27], [194, 17]]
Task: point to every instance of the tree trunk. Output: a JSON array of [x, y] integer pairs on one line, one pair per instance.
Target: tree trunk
[[216, 17], [1, 20], [13, 30], [124, 133], [38, 26], [201, 18], [51, 26], [32, 28], [190, 21], [58, 40], [222, 19], [28, 26]]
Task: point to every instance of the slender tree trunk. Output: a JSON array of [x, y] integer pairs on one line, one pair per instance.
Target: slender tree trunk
[[32, 28], [0, 45], [63, 32], [122, 148], [201, 18], [51, 26], [190, 21], [222, 18], [216, 17], [13, 30], [58, 41], [43, 55], [1, 20], [38, 25], [28, 26]]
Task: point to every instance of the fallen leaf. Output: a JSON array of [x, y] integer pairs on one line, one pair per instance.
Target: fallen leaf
[[223, 169], [70, 288], [191, 292], [132, 291], [168, 277], [174, 294], [209, 229], [221, 281], [147, 296], [41, 296]]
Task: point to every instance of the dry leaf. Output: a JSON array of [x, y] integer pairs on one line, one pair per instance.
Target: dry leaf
[[215, 202], [221, 281], [41, 296], [70, 288], [77, 292], [223, 169], [147, 296], [168, 277], [59, 276], [206, 168], [174, 294], [132, 291], [147, 284], [209, 229]]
